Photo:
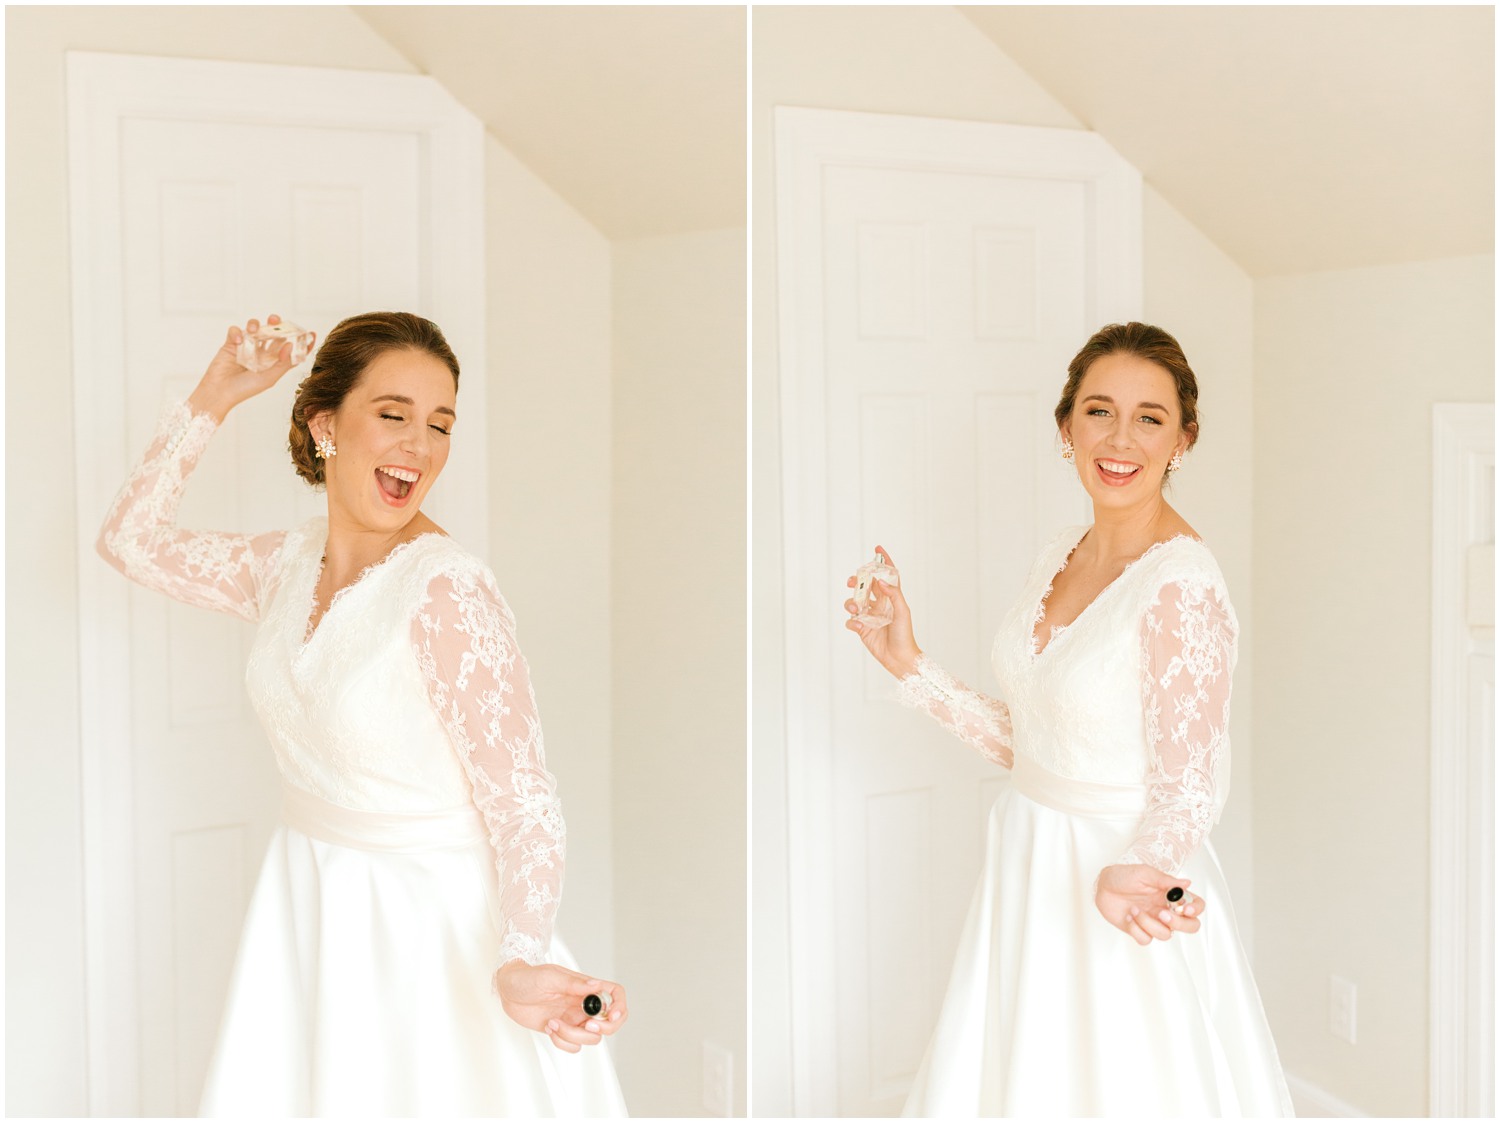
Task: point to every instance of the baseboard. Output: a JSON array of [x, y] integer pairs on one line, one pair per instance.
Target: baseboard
[[1311, 1101]]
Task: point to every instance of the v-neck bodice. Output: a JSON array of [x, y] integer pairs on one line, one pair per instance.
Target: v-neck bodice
[[1075, 702], [346, 708], [312, 627], [1037, 646]]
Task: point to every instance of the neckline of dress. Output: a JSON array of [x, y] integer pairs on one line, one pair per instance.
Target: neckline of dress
[[311, 630], [1059, 630]]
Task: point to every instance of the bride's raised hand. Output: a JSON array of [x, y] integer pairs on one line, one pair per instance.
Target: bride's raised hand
[[893, 645], [1134, 899], [225, 384], [549, 998]]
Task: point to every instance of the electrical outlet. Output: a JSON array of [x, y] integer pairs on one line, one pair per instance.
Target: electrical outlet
[[1342, 998], [718, 1079]]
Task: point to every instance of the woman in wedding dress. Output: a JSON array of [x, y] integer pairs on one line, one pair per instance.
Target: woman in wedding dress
[[398, 955], [1092, 976]]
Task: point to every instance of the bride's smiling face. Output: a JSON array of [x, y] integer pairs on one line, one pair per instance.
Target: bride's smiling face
[[392, 434], [1125, 425]]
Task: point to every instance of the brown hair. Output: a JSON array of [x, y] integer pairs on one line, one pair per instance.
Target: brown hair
[[351, 347], [1143, 341]]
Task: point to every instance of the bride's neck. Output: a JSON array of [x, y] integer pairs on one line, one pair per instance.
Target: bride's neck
[[351, 549], [1127, 534]]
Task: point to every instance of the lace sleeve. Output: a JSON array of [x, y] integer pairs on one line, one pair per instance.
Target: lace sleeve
[[224, 572], [1188, 643], [477, 680], [974, 718]]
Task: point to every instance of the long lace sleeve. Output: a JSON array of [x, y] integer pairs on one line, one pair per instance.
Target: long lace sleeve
[[974, 718], [140, 538], [1188, 643], [477, 680]]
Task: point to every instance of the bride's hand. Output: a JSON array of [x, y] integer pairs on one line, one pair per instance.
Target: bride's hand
[[225, 384], [549, 999], [893, 646], [1134, 899]]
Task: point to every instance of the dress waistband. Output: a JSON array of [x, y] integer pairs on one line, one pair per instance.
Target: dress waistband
[[390, 831], [1077, 797]]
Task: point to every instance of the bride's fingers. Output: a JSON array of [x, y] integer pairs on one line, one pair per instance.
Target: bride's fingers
[[1181, 922], [1135, 932], [1153, 926], [576, 1035]]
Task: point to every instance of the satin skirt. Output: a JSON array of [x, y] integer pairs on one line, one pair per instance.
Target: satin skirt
[[362, 984], [1052, 1011]]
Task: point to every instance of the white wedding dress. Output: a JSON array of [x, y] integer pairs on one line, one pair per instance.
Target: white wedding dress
[[422, 840], [1117, 733]]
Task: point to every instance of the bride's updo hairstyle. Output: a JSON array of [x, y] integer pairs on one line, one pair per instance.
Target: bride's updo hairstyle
[[350, 347], [1145, 342]]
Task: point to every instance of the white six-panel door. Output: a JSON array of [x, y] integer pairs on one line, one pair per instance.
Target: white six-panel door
[[935, 278], [206, 193]]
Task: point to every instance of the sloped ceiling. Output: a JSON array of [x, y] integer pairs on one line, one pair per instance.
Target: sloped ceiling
[[1298, 139], [635, 115]]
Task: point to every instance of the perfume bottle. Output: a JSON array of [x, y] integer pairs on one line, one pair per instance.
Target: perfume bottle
[[258, 351], [874, 610]]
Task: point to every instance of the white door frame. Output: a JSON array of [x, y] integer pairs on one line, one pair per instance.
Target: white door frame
[[103, 92], [808, 142], [1461, 974]]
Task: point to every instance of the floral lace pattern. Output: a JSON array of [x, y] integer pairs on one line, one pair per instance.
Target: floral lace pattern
[[974, 718], [1187, 645], [225, 572], [480, 688]]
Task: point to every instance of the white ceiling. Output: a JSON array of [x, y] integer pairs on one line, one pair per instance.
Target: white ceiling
[[1297, 139], [635, 115]]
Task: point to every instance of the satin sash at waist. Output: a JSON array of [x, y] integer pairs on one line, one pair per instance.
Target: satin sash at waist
[[388, 831], [1088, 798]]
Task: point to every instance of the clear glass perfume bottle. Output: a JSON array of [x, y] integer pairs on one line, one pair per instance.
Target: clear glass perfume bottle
[[258, 351], [874, 609]]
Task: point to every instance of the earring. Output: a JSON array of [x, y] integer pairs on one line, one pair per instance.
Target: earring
[[1067, 450], [326, 448], [1175, 463]]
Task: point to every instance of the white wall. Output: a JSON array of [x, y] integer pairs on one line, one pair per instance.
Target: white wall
[[679, 657], [934, 62], [549, 357], [1348, 365]]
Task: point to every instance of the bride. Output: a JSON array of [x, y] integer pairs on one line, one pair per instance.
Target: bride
[[1091, 977], [397, 956]]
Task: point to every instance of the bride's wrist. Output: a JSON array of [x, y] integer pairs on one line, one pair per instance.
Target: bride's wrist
[[907, 667], [205, 399]]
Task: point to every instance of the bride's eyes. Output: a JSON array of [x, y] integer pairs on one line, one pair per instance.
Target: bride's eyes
[[392, 417], [1100, 411], [440, 429]]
